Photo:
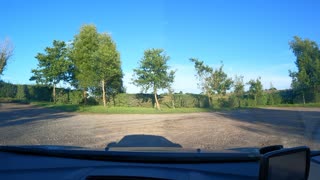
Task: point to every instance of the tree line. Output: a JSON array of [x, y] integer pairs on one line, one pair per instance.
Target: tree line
[[91, 63]]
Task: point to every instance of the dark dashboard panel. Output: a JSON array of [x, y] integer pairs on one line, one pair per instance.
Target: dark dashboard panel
[[18, 166]]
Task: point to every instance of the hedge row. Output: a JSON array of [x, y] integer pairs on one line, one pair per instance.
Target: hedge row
[[147, 100], [67, 96], [39, 93]]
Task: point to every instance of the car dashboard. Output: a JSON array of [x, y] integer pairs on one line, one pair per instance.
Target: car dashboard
[[16, 164]]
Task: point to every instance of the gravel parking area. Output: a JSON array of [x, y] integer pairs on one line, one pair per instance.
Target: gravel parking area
[[30, 125]]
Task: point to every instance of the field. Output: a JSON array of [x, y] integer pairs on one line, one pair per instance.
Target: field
[[224, 129]]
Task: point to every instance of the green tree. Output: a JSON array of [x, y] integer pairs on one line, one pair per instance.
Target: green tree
[[308, 64], [84, 47], [6, 51], [211, 81], [97, 62], [107, 65], [255, 89], [238, 86], [53, 66], [273, 95], [204, 73], [219, 82], [153, 72]]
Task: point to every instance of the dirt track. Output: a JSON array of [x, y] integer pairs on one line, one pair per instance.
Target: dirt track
[[26, 124]]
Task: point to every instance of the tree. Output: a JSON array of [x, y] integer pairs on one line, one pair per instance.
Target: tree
[[53, 66], [219, 82], [203, 75], [308, 64], [171, 95], [238, 86], [153, 73], [255, 89], [107, 63], [211, 82], [85, 44], [6, 51], [97, 61], [273, 95]]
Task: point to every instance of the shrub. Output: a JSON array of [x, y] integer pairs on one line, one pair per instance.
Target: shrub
[[39, 93], [75, 97], [62, 96], [22, 92], [7, 90]]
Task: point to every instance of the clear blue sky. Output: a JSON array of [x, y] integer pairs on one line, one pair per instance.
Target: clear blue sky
[[250, 37]]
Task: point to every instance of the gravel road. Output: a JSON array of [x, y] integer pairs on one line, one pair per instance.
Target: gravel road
[[30, 125]]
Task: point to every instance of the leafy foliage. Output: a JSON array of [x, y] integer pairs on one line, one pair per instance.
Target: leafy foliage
[[22, 92], [6, 51], [308, 64], [85, 44], [203, 74], [153, 72], [211, 81], [53, 66], [7, 90], [97, 62], [238, 91], [219, 82], [256, 91]]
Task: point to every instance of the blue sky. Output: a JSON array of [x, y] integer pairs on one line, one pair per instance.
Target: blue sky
[[250, 37]]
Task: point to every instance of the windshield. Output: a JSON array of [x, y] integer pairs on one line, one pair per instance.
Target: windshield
[[209, 75]]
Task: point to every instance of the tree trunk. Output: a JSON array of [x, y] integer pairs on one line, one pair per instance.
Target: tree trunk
[[103, 93], [255, 100], [303, 98], [84, 96], [172, 101], [239, 101], [54, 93], [156, 99], [209, 99]]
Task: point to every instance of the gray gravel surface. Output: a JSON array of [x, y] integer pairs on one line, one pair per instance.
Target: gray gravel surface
[[30, 125]]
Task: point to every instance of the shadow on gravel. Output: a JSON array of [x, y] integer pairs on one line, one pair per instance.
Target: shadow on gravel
[[17, 114], [301, 122], [143, 141]]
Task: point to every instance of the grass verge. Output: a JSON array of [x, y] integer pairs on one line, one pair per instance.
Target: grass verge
[[117, 110], [296, 105]]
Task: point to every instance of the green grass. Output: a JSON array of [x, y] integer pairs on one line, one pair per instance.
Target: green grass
[[117, 110], [296, 105], [13, 100], [144, 110]]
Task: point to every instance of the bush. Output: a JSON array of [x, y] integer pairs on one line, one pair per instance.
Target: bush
[[147, 100], [62, 96], [132, 100], [22, 92], [92, 101], [39, 93], [7, 90], [262, 100], [233, 102], [190, 100], [75, 97], [273, 98]]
